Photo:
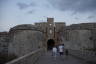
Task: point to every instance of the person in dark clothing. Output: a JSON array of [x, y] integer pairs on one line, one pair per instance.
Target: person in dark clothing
[[66, 52]]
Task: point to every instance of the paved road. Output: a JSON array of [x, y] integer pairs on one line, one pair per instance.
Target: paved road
[[49, 59]]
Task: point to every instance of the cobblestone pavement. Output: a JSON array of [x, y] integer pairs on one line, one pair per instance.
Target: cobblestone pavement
[[49, 59]]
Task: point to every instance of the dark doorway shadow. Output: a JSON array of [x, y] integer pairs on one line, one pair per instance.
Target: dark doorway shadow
[[50, 44]]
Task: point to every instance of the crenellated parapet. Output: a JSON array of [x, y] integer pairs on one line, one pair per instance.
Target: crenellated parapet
[[82, 26], [26, 27]]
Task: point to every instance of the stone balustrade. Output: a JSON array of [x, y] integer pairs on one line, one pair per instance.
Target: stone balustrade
[[29, 58], [82, 54], [88, 56]]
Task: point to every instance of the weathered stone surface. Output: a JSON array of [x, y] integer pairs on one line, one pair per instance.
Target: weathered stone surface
[[4, 40], [82, 26], [51, 30], [29, 58], [78, 40], [27, 37], [24, 26], [25, 41]]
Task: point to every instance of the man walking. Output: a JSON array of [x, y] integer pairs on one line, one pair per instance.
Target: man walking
[[61, 48]]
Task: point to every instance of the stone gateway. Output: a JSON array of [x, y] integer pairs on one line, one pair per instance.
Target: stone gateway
[[25, 38]]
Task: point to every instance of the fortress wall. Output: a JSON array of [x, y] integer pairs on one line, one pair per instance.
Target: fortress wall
[[4, 40], [25, 41], [93, 37], [78, 39]]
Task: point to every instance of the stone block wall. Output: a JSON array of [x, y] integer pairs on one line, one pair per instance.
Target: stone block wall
[[4, 40], [25, 41], [78, 39], [29, 58], [93, 37]]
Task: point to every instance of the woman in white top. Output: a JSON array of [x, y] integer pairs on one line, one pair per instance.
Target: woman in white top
[[54, 51]]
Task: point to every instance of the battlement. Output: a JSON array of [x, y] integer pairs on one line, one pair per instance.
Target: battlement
[[83, 26], [50, 19]]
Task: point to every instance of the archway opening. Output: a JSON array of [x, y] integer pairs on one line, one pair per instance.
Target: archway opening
[[50, 44]]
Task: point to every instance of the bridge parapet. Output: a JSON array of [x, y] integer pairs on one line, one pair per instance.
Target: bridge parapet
[[29, 58], [88, 56]]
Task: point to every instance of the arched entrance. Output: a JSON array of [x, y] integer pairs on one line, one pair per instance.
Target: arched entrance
[[50, 44]]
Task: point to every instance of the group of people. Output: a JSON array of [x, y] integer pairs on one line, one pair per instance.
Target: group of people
[[59, 50]]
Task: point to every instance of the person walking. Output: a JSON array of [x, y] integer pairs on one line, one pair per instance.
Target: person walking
[[54, 51], [61, 50], [66, 52]]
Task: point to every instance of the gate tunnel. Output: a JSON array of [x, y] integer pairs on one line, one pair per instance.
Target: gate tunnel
[[50, 44]]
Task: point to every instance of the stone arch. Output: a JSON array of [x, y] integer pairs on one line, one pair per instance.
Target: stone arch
[[50, 44]]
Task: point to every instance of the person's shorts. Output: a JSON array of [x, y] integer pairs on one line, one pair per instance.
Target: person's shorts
[[61, 53]]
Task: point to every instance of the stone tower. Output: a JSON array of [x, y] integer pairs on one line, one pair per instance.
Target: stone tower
[[52, 31], [50, 28]]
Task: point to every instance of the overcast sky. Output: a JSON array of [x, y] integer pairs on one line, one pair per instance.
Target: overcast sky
[[14, 12]]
